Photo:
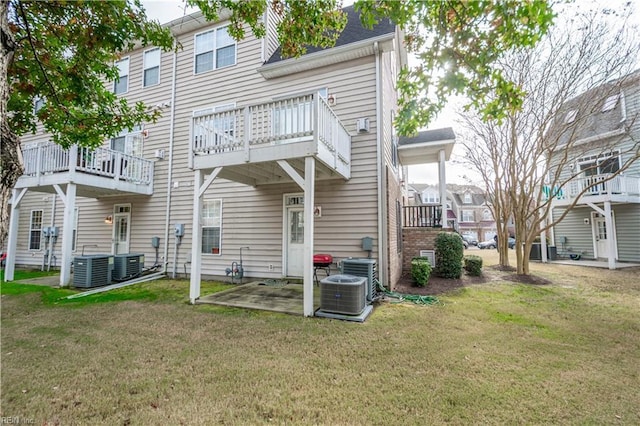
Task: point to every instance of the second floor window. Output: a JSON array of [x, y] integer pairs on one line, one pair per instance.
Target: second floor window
[[467, 215], [121, 85], [214, 49], [151, 74], [486, 215]]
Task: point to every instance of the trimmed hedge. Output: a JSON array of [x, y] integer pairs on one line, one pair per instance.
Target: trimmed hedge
[[473, 265], [449, 254], [420, 270]]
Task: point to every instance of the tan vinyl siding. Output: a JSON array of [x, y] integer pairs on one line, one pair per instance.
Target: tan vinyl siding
[[627, 217], [579, 235], [271, 38]]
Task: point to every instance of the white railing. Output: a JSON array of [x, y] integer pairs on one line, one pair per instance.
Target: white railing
[[296, 119], [52, 158], [596, 185]]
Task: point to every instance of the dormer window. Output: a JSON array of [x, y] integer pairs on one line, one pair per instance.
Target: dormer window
[[467, 198], [610, 103], [571, 116], [430, 197]]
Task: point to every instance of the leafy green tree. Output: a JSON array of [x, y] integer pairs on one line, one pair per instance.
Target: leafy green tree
[[62, 53]]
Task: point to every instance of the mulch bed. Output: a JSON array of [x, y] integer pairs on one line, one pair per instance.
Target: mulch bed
[[437, 285]]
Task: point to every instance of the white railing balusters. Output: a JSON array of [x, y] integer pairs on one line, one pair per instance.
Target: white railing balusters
[[52, 158]]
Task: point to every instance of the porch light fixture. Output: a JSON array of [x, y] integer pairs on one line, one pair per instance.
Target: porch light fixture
[[108, 220]]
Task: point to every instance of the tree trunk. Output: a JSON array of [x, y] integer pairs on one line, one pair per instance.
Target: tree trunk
[[11, 165]]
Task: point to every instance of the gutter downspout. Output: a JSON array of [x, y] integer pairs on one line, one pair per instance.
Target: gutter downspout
[[382, 194], [52, 224], [170, 172]]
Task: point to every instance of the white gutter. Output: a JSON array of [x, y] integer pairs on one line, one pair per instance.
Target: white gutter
[[170, 172], [327, 56], [382, 224]]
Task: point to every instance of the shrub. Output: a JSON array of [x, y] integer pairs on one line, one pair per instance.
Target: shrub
[[449, 254], [420, 270], [473, 265]]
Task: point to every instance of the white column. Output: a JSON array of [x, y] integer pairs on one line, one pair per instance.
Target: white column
[[442, 182], [610, 235], [196, 239], [69, 201], [309, 199], [12, 243]]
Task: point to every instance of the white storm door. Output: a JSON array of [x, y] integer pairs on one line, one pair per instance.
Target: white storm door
[[601, 236], [295, 242], [121, 233]]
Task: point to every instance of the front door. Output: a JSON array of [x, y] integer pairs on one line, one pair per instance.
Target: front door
[[295, 242], [601, 236], [121, 229]]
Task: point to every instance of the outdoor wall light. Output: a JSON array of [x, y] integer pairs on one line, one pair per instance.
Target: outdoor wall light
[[108, 220]]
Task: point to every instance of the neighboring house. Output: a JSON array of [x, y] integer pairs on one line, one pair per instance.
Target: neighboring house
[[605, 222], [467, 209], [286, 157]]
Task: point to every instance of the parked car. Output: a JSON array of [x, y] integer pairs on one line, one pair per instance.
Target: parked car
[[470, 241], [465, 243], [512, 242], [489, 244]]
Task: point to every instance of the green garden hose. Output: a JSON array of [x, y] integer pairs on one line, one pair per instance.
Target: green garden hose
[[415, 298]]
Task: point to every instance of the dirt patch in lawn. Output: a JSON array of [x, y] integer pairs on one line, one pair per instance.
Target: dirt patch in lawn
[[527, 279]]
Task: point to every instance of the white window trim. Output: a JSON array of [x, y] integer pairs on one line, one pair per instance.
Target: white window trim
[[202, 226], [215, 48], [145, 68], [468, 198], [463, 219], [31, 229], [597, 159], [128, 74]]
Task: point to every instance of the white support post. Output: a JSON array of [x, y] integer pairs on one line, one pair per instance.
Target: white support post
[[309, 199], [610, 235], [196, 239], [442, 177], [12, 242], [67, 234]]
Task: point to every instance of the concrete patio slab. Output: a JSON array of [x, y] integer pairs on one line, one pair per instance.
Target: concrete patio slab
[[285, 298]]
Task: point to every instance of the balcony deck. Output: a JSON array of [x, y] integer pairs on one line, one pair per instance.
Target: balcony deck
[[96, 172], [597, 189], [247, 142]]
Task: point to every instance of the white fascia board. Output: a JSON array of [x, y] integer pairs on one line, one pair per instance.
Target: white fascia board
[[326, 57]]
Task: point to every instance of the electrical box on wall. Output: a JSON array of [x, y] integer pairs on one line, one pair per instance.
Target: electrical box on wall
[[179, 228]]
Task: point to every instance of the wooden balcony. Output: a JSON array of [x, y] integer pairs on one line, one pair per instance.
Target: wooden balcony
[[425, 216], [248, 141], [97, 172], [596, 189]]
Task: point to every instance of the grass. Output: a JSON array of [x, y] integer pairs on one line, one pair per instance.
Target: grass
[[496, 353]]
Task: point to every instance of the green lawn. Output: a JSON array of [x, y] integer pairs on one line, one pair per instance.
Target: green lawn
[[495, 353]]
